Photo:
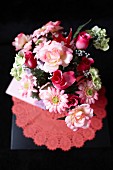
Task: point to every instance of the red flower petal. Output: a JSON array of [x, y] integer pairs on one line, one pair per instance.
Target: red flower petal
[[63, 81], [69, 77], [57, 76], [68, 39], [30, 61], [60, 38]]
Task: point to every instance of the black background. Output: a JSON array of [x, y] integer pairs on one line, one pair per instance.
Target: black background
[[24, 16]]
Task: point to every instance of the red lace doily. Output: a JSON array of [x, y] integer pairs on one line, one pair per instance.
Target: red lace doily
[[44, 128]]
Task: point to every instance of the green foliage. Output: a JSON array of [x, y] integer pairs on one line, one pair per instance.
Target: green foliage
[[80, 28], [35, 95], [42, 77], [71, 89]]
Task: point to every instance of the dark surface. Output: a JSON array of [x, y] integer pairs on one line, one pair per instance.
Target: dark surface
[[23, 16]]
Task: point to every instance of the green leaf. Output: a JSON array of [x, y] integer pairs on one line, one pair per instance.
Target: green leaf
[[35, 95], [79, 28], [38, 42], [41, 76]]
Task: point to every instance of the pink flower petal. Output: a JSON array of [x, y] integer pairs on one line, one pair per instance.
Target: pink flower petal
[[69, 77]]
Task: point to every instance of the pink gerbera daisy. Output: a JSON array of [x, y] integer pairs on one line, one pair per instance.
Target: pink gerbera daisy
[[54, 99], [87, 93]]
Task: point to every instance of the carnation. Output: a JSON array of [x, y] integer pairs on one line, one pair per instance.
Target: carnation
[[57, 68]]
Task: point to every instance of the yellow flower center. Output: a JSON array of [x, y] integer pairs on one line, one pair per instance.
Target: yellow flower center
[[55, 99], [26, 85], [89, 92]]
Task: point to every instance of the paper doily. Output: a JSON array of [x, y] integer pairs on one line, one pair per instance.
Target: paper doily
[[44, 128]]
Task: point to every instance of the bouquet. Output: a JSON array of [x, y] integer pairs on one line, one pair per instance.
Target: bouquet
[[57, 68]]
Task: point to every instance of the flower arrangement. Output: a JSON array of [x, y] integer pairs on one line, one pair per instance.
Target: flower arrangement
[[56, 67]]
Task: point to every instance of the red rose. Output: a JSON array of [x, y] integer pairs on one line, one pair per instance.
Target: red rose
[[72, 100], [82, 40], [85, 64], [63, 80], [30, 61]]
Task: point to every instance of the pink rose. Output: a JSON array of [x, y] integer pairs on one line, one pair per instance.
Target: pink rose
[[82, 40], [72, 100], [85, 64], [53, 54], [63, 80], [79, 117], [27, 46], [20, 41], [30, 61]]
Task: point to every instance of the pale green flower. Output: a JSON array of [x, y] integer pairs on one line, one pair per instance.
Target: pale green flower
[[97, 83], [100, 41], [98, 31], [19, 60], [17, 72], [94, 72], [18, 69], [95, 78], [101, 44], [95, 30]]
